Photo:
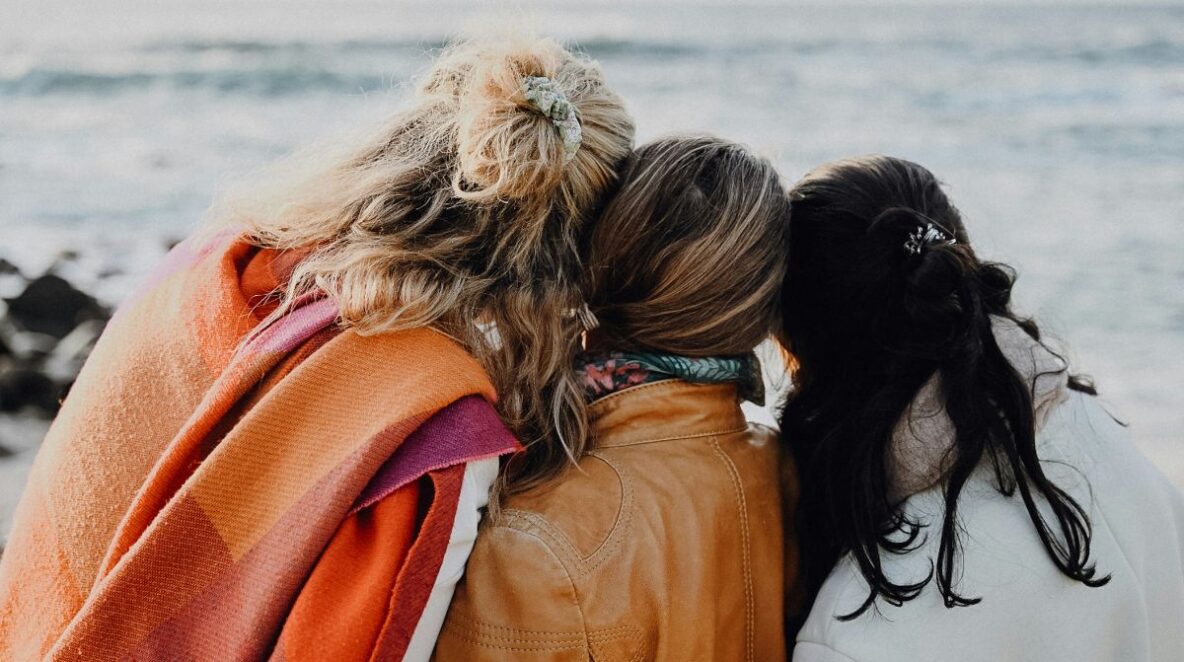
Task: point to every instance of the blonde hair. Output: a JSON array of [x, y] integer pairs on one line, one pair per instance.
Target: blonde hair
[[462, 215], [689, 255]]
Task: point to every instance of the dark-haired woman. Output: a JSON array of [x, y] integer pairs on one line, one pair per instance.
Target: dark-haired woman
[[965, 497]]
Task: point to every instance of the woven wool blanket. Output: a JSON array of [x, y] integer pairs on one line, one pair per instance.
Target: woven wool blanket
[[217, 489]]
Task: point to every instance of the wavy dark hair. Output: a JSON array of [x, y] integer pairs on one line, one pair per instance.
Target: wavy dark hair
[[869, 323]]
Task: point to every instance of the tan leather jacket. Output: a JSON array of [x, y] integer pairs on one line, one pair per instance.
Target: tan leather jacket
[[666, 544]]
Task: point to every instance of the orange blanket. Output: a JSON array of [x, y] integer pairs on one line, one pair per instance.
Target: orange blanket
[[201, 497]]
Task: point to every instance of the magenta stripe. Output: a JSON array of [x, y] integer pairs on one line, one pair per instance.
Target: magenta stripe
[[466, 430], [290, 331]]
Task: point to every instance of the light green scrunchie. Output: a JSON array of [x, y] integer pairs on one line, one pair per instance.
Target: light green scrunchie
[[546, 97]]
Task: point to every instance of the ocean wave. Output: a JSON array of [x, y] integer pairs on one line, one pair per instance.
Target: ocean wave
[[1144, 142], [1152, 51], [607, 47], [279, 68], [263, 81], [253, 47], [603, 46]]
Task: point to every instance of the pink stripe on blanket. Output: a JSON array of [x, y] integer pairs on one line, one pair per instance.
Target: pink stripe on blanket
[[310, 313], [467, 430]]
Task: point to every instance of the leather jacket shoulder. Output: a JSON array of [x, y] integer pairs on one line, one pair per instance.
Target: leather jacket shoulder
[[664, 543]]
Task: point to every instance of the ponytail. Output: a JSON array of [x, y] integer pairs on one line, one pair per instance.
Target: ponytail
[[885, 295]]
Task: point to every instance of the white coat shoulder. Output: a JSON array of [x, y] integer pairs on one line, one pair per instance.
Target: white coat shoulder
[[1029, 610]]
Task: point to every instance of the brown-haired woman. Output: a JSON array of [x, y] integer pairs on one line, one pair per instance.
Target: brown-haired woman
[[665, 541], [280, 445]]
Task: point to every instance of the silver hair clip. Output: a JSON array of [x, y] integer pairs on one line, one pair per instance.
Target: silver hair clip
[[925, 236], [587, 317], [545, 96]]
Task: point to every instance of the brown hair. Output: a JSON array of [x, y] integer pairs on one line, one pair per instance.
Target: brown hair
[[462, 214], [689, 255], [687, 258]]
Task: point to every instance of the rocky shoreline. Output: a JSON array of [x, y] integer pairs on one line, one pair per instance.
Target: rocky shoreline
[[47, 329], [46, 333]]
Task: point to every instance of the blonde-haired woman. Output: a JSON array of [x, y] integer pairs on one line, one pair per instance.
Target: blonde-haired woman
[[279, 447], [665, 542]]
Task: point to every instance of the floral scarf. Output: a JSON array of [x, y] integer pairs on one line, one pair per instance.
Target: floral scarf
[[602, 373]]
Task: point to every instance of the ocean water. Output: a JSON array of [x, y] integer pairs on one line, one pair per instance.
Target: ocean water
[[1059, 130]]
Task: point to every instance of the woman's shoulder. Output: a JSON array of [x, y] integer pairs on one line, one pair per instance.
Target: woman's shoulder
[[1085, 447], [1028, 608], [572, 514], [591, 503], [535, 568], [516, 601], [520, 596]]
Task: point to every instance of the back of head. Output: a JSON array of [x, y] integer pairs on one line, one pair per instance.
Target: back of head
[[688, 256], [464, 213], [884, 294], [855, 293]]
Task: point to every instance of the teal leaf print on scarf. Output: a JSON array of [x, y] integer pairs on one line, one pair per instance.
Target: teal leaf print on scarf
[[602, 373]]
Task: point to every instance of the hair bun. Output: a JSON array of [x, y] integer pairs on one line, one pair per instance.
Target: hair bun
[[934, 280], [507, 147], [939, 300]]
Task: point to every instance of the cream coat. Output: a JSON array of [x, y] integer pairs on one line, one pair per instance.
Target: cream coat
[[1029, 610]]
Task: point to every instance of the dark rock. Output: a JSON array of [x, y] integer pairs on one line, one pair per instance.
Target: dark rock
[[21, 387], [51, 305]]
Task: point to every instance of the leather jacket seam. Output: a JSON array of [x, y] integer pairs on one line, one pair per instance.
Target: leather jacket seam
[[611, 633], [472, 625], [464, 636], [746, 561], [642, 387], [631, 633], [617, 533], [576, 563], [534, 524], [575, 595], [679, 437]]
